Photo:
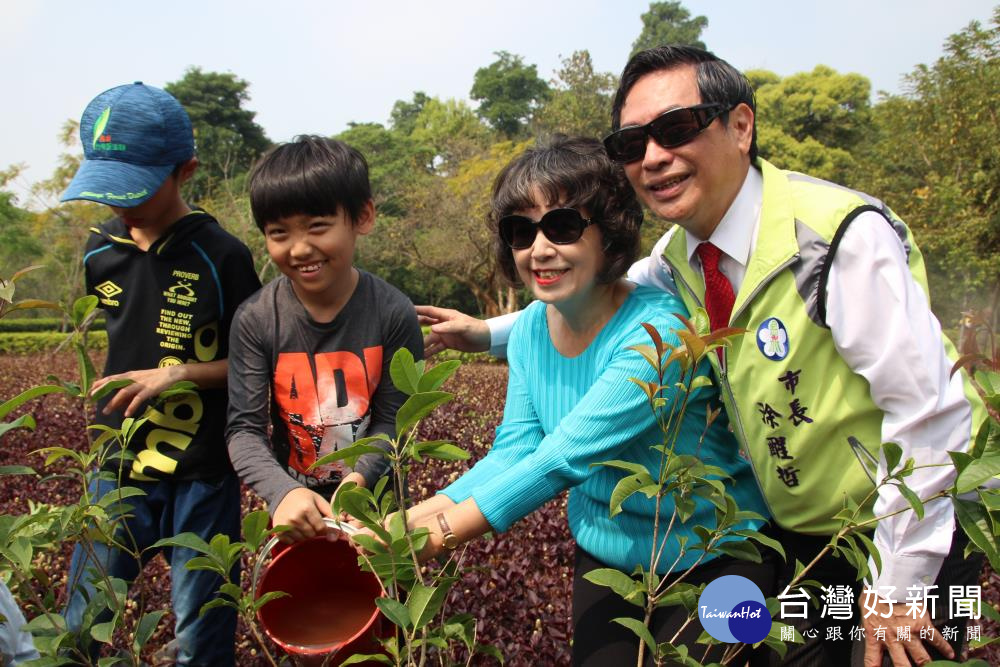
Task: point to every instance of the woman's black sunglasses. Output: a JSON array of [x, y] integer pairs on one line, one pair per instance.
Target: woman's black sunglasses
[[669, 129], [560, 225]]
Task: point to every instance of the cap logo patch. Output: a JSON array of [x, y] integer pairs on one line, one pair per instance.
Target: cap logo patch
[[102, 122], [772, 339], [102, 142]]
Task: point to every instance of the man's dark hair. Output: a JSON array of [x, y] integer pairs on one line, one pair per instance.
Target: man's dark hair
[[310, 175], [718, 81], [574, 172]]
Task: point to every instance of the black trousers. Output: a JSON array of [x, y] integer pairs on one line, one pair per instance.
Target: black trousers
[[821, 651], [597, 642]]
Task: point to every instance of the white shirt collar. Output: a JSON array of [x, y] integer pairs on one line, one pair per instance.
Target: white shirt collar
[[734, 236]]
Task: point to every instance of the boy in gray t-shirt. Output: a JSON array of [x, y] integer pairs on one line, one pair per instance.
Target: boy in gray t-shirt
[[309, 353]]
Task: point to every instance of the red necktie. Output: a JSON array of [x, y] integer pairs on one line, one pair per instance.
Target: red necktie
[[719, 297]]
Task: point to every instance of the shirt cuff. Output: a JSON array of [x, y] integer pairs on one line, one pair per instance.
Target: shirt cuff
[[500, 328], [903, 572]]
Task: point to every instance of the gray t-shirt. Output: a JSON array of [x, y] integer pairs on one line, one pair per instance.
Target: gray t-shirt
[[320, 386]]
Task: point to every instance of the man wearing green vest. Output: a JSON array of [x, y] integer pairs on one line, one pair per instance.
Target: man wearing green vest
[[841, 352]]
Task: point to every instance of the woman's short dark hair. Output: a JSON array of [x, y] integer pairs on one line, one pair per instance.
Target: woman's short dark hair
[[718, 81], [574, 172], [310, 175]]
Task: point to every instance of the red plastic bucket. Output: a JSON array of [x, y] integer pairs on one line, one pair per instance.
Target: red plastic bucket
[[329, 612]]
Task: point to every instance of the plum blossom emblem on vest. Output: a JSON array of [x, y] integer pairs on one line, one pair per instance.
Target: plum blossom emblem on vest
[[772, 339]]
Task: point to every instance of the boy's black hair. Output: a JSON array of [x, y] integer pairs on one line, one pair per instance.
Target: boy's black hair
[[310, 175], [574, 172], [717, 80]]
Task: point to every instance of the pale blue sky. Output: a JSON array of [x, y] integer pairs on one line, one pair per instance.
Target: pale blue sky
[[315, 66]]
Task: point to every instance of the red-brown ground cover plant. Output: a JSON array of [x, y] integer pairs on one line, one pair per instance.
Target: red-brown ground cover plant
[[520, 585]]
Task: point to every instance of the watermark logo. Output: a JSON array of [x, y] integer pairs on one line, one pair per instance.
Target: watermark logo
[[732, 610]]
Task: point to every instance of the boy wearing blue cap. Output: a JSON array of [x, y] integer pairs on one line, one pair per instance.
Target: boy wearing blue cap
[[169, 279]]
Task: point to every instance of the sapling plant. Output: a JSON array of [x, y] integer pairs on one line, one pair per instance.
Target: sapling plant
[[416, 593], [681, 477], [89, 522]]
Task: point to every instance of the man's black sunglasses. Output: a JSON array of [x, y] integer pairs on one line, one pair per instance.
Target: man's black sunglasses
[[669, 129], [560, 225]]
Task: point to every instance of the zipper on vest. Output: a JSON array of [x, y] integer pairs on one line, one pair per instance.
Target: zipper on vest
[[742, 437]]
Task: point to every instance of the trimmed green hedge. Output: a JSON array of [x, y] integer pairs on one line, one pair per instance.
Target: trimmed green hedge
[[40, 324], [46, 341]]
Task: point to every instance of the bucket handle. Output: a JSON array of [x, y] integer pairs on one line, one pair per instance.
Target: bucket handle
[[345, 528]]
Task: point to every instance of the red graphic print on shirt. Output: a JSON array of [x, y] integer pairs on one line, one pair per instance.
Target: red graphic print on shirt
[[328, 410]]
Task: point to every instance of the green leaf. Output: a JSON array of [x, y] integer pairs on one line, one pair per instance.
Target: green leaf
[[873, 551], [699, 382], [961, 460], [491, 651], [29, 394], [441, 450], [743, 550], [103, 632], [393, 610], [82, 307], [403, 371], [255, 529], [627, 466], [352, 452], [977, 473], [893, 453], [619, 582], [649, 354], [624, 490], [425, 602], [145, 628], [186, 541], [976, 524], [913, 499], [17, 470], [87, 371], [640, 630], [436, 376], [29, 304], [24, 421], [267, 597], [361, 658], [417, 407]]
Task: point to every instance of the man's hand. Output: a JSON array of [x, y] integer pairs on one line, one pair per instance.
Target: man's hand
[[303, 510], [146, 385], [901, 651], [454, 330]]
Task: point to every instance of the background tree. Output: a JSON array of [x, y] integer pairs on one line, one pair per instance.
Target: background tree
[[813, 122], [228, 139], [669, 23], [936, 160], [445, 233], [580, 99], [404, 114], [508, 92]]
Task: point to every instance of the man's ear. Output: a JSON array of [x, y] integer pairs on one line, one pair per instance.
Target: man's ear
[[741, 126], [187, 170], [365, 222]]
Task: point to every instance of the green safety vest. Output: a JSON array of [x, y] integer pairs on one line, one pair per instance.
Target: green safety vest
[[804, 418]]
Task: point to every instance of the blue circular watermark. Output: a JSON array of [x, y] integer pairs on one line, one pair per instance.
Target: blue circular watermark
[[732, 609]]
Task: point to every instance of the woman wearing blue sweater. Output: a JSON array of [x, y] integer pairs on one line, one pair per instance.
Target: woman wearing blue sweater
[[567, 226]]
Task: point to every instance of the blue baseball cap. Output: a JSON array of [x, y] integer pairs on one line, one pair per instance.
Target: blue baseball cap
[[133, 136]]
